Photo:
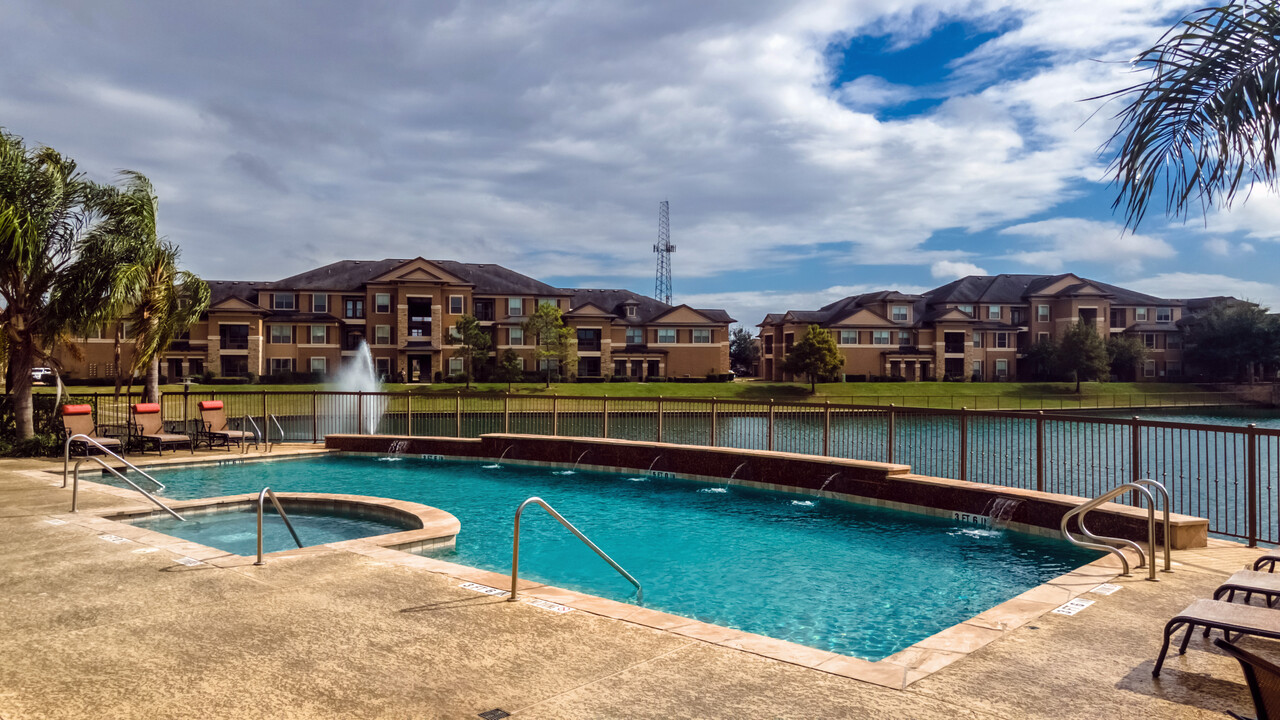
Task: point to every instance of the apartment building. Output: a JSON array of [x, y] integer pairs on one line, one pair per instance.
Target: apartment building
[[977, 327], [405, 310]]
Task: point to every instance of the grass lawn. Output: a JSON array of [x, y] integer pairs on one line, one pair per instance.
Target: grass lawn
[[926, 394]]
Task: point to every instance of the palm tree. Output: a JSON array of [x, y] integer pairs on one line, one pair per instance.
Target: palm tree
[[149, 290], [1207, 123], [56, 257]]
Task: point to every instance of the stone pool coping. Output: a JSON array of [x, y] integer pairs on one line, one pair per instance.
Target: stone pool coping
[[898, 671]]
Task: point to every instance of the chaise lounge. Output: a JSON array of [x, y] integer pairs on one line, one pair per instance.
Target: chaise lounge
[[78, 420], [1218, 615], [1263, 678], [148, 427], [214, 421]]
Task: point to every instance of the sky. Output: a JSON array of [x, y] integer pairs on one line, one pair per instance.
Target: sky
[[809, 149]]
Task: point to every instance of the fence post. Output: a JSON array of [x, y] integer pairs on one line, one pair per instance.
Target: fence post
[[892, 423], [1135, 449], [186, 389], [1040, 451], [506, 413], [457, 414], [659, 418], [769, 439], [604, 417], [964, 443], [714, 422], [1251, 482], [826, 428], [359, 412], [555, 416], [315, 419], [266, 426], [408, 413]]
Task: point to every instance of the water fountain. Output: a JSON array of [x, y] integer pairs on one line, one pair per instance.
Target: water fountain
[[1000, 510], [811, 503], [358, 375], [574, 469], [724, 488], [395, 451], [498, 464]]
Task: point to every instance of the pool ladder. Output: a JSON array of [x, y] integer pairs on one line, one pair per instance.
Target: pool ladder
[[515, 547], [262, 497], [1113, 544], [75, 472]]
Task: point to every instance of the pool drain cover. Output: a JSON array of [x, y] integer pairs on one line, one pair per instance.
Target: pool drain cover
[[495, 714]]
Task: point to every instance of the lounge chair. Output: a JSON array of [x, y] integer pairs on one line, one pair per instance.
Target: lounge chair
[[148, 427], [214, 421], [78, 420], [1266, 561], [1263, 678], [1218, 615], [1250, 582]]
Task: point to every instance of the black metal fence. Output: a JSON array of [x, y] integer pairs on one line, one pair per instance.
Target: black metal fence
[[1225, 473]]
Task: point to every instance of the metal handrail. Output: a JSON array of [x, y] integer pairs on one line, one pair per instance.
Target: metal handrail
[[276, 420], [75, 484], [515, 548], [66, 458], [1166, 502], [257, 434], [266, 492], [1105, 543]]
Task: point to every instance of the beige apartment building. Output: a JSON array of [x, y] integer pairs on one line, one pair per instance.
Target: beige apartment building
[[405, 311], [977, 327]]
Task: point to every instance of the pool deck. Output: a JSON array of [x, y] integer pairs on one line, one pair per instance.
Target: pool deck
[[96, 628]]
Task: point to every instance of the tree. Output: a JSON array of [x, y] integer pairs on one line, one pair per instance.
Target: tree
[[1041, 360], [1082, 354], [555, 341], [743, 351], [1206, 123], [1125, 354], [510, 368], [160, 301], [815, 355], [473, 342], [1230, 341], [57, 259]]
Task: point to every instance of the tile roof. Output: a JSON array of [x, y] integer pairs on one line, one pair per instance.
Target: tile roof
[[613, 301]]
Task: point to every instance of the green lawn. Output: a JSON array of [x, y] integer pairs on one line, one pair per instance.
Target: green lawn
[[926, 394]]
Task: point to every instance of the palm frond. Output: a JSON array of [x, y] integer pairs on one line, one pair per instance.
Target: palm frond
[[1205, 125]]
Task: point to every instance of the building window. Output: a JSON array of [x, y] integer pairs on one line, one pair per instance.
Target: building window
[[977, 339], [666, 335], [233, 337], [1149, 339], [319, 365], [1042, 337], [355, 308], [1002, 340], [1173, 369], [635, 336], [281, 334], [899, 313], [993, 312], [848, 337], [383, 366], [515, 307], [382, 334], [1042, 313], [965, 309], [456, 306], [549, 301], [1173, 341], [904, 337], [1149, 368], [283, 301], [977, 369], [1140, 314], [880, 337], [455, 336], [515, 336], [1164, 315], [382, 302], [1002, 368], [281, 365], [319, 303], [319, 334], [702, 336], [455, 365], [631, 311]]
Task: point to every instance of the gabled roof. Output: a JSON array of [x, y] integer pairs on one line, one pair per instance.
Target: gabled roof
[[220, 290], [615, 302], [341, 276], [352, 275], [491, 279]]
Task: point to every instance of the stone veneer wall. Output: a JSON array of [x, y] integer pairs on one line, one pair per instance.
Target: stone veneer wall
[[880, 483]]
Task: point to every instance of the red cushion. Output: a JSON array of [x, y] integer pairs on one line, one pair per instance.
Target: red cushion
[[77, 409], [210, 404], [146, 408]]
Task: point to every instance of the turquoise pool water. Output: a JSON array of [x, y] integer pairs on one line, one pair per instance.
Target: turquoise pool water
[[852, 579], [237, 531]]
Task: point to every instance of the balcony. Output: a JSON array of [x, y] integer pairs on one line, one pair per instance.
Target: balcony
[[483, 311], [952, 348]]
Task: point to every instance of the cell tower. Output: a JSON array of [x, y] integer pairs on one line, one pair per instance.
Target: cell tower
[[664, 248]]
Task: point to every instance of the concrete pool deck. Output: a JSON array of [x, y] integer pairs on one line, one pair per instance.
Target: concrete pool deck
[[93, 628]]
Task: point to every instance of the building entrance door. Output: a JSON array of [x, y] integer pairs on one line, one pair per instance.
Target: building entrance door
[[419, 368]]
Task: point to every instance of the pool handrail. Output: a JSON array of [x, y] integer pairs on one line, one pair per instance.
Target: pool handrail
[[266, 492], [273, 419], [257, 433], [1165, 502], [1108, 544], [515, 548], [75, 484], [66, 458]]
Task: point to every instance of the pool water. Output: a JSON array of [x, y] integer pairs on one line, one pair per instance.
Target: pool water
[[236, 531], [853, 579]]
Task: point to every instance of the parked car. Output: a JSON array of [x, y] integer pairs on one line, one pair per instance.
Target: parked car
[[42, 374]]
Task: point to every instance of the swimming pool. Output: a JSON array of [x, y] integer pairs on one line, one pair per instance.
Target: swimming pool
[[236, 531], [853, 579]]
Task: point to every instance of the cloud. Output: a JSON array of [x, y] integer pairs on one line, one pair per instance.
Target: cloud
[[950, 270], [1079, 241], [1226, 248], [749, 308], [1188, 285]]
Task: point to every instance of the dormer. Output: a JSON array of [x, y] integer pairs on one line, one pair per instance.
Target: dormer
[[630, 309]]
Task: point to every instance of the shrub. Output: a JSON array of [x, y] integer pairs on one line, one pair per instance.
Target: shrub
[[856, 378], [620, 378], [439, 377], [596, 379], [227, 381], [206, 376], [655, 378]]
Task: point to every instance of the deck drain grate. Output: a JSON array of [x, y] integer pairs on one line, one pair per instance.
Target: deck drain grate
[[495, 714]]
